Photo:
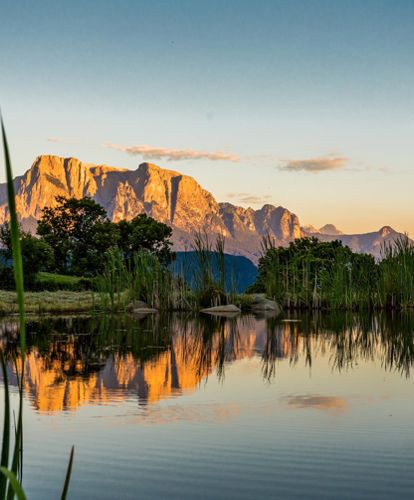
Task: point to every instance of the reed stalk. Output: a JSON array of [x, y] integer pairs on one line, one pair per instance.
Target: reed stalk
[[11, 468]]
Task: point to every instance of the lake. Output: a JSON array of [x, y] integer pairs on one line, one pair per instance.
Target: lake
[[315, 406]]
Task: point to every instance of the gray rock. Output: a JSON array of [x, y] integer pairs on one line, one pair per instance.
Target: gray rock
[[138, 304], [144, 310], [258, 297], [266, 305], [230, 308]]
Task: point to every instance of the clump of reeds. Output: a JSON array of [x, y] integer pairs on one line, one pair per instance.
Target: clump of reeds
[[141, 278], [111, 283], [314, 274], [396, 282], [318, 275], [210, 286], [11, 463]]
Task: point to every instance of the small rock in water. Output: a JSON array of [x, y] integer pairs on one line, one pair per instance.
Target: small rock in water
[[144, 310], [266, 305], [230, 308], [139, 306]]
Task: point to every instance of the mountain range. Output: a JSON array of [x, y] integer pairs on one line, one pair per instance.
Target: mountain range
[[170, 197]]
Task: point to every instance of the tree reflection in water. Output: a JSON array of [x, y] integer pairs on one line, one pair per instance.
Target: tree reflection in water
[[83, 360]]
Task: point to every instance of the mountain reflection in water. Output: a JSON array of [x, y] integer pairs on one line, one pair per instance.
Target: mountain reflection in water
[[101, 360]]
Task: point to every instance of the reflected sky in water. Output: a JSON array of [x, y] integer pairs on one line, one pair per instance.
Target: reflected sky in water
[[200, 407]]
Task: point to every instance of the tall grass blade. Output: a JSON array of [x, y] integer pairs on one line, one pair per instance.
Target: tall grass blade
[[68, 474], [18, 276], [15, 487], [6, 428], [15, 238]]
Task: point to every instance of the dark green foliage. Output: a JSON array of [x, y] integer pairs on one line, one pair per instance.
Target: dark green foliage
[[78, 231], [80, 234], [396, 284], [313, 274], [143, 232], [37, 256], [6, 278]]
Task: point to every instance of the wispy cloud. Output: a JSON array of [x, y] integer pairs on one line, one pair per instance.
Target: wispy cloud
[[158, 153], [315, 165], [249, 198], [55, 139]]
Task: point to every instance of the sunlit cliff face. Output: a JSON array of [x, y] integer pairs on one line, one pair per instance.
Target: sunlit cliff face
[[167, 196]]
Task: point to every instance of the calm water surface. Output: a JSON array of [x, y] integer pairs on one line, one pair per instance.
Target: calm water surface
[[181, 407]]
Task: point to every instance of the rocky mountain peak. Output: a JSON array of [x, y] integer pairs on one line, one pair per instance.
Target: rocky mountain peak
[[170, 197], [151, 168], [386, 231], [330, 229]]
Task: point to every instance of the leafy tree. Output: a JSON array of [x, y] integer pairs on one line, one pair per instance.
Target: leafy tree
[[143, 232], [37, 255], [79, 233]]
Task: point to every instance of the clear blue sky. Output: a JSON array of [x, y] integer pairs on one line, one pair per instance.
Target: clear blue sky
[[283, 87]]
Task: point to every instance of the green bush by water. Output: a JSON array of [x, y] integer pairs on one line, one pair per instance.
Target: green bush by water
[[313, 274], [396, 274]]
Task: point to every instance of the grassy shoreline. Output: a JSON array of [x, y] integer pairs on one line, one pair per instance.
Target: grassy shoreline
[[78, 302], [50, 302], [62, 301]]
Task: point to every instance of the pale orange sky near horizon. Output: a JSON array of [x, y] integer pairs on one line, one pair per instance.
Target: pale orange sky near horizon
[[313, 110]]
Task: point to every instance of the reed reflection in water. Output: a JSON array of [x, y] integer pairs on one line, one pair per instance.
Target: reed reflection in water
[[212, 407], [101, 360]]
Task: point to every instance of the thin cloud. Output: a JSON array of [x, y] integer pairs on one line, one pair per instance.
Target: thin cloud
[[158, 153], [315, 165], [248, 198], [55, 139], [363, 167]]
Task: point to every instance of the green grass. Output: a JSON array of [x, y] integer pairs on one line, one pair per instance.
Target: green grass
[[59, 279], [50, 302], [52, 282]]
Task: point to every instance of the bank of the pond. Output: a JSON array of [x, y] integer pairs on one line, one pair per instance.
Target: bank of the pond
[[50, 302], [61, 301]]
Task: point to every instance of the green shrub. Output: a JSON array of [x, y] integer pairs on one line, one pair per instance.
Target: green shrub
[[53, 282]]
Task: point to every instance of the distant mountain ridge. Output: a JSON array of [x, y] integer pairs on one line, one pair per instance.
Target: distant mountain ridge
[[364, 243], [240, 272], [170, 197], [328, 229]]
